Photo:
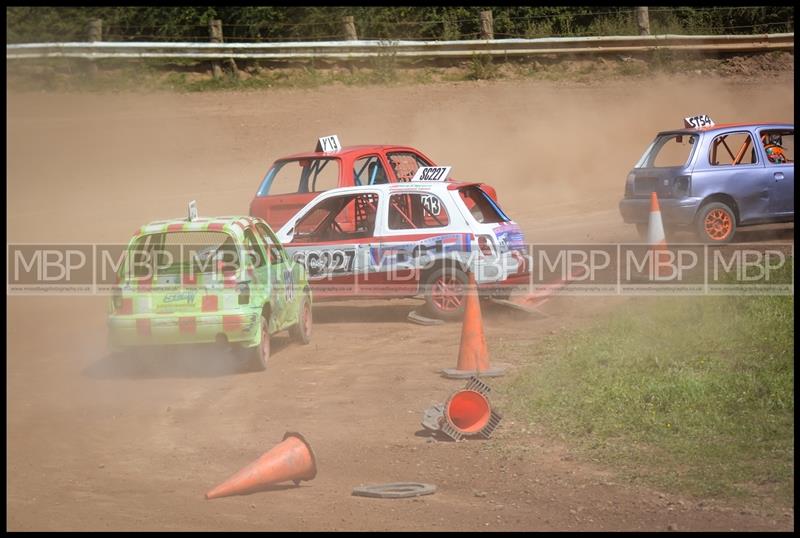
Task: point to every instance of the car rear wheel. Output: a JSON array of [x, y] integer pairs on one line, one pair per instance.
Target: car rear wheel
[[259, 355], [716, 223], [301, 332], [444, 293]]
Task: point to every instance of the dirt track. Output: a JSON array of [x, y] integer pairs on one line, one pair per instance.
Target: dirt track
[[93, 446]]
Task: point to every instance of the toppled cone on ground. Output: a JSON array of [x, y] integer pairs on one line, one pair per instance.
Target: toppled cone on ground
[[531, 301], [291, 459], [473, 356], [467, 412]]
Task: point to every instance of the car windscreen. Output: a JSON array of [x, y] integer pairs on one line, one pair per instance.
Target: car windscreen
[[481, 206], [300, 176], [668, 150], [181, 252]]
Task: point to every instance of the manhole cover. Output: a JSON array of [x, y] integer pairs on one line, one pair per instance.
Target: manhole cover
[[395, 490]]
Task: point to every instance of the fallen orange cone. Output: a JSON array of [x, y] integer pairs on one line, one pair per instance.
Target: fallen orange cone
[[292, 459], [467, 412], [530, 302], [473, 356]]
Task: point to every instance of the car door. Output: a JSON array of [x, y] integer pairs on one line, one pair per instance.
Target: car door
[[285, 274], [736, 168], [418, 230], [332, 240], [266, 284], [780, 175]]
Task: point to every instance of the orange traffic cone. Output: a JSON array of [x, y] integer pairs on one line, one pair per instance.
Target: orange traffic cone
[[292, 459], [466, 412], [656, 238], [531, 301], [473, 357]]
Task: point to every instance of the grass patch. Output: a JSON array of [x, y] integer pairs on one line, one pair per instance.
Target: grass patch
[[691, 394]]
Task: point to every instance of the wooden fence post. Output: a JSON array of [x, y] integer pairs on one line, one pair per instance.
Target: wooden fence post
[[643, 20], [215, 30], [349, 28], [95, 33], [487, 25]]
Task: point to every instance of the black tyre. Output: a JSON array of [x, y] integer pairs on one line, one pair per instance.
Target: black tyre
[[301, 332], [259, 355], [715, 224], [445, 293]]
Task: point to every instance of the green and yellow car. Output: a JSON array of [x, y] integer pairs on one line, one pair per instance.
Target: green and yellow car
[[224, 280]]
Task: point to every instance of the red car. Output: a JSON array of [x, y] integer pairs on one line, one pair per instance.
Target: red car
[[295, 180]]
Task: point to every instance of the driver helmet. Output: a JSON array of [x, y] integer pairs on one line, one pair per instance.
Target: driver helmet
[[775, 153]]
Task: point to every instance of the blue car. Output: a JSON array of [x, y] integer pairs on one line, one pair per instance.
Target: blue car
[[713, 179]]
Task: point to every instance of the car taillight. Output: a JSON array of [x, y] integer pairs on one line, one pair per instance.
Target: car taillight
[[125, 306], [629, 184], [682, 185], [485, 244]]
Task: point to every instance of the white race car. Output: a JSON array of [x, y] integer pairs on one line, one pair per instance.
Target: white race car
[[405, 240]]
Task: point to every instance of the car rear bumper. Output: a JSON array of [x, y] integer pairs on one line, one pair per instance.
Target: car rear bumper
[[162, 329], [675, 211]]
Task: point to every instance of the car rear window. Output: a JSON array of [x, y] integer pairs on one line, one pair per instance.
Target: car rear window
[[175, 253], [300, 176], [668, 151], [481, 206]]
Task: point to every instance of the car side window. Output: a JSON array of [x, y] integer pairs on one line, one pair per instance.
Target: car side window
[[732, 149], [416, 210], [338, 218], [778, 145], [270, 243], [301, 176], [369, 171], [254, 250], [405, 164]]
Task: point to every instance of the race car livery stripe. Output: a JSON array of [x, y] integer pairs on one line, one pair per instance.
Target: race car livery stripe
[[215, 226], [177, 227], [232, 323], [143, 327], [187, 324]]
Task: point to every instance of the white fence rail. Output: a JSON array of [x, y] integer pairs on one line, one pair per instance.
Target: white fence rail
[[346, 50]]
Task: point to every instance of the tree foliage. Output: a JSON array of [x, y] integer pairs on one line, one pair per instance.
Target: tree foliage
[[285, 23]]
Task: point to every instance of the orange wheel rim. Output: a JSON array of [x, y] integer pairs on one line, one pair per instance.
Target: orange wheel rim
[[718, 224]]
